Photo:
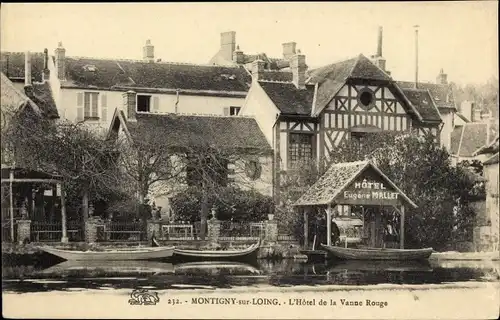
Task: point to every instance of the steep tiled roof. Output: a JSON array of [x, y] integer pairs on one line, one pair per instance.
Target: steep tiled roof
[[492, 147], [12, 65], [184, 131], [288, 99], [332, 77], [276, 76], [441, 93], [338, 177], [86, 72], [359, 67], [11, 98], [330, 184], [473, 136], [338, 72], [42, 96], [422, 101]]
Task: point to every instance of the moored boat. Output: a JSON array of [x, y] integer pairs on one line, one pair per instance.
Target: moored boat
[[187, 254], [112, 254], [378, 253]]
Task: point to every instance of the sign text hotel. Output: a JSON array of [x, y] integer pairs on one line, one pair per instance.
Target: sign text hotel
[[368, 191]]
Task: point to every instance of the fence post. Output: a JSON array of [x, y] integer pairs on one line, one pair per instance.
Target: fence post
[[153, 229], [271, 230], [213, 226], [91, 229], [23, 230]]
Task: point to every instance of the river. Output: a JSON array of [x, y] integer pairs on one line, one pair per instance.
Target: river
[[276, 287]]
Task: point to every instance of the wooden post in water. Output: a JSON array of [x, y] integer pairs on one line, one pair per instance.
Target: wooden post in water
[[329, 225], [402, 231], [306, 227]]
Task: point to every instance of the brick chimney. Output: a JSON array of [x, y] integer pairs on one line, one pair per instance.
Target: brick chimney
[[148, 52], [289, 49], [442, 77], [298, 67], [378, 59], [476, 113], [238, 56], [129, 104], [227, 44], [46, 71], [60, 54], [28, 85], [27, 68], [257, 68]]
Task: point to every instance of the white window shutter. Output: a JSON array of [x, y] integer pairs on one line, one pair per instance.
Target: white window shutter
[[104, 107], [156, 104], [79, 106], [226, 111]]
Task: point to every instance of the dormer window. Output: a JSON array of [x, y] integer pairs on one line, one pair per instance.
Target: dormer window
[[89, 67], [228, 76], [143, 103], [233, 111]]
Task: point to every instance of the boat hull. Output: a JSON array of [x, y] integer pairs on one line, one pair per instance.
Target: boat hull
[[211, 255], [378, 254], [118, 255]]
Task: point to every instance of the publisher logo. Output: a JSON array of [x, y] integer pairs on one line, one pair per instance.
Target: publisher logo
[[143, 297]]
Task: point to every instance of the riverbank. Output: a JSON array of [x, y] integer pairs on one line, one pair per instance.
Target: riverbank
[[31, 251], [467, 300], [285, 250], [474, 256]]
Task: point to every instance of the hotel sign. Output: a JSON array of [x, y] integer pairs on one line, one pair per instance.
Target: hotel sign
[[369, 192]]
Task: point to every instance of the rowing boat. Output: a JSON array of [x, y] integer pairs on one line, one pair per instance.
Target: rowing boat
[[378, 253], [216, 254], [112, 254]]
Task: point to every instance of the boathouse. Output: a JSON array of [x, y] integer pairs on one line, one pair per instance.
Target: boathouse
[[353, 192]]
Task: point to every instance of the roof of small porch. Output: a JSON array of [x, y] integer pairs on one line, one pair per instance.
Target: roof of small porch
[[339, 177], [27, 175]]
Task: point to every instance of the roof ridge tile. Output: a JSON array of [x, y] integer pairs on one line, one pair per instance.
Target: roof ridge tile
[[148, 62]]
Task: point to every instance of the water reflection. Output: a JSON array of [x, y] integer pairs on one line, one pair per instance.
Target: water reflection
[[69, 275]]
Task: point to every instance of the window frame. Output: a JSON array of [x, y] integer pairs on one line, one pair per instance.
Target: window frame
[[231, 108], [91, 95], [300, 152], [372, 96], [137, 102]]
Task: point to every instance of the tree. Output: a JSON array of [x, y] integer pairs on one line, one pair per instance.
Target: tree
[[422, 169], [72, 151], [164, 155], [294, 182], [147, 164]]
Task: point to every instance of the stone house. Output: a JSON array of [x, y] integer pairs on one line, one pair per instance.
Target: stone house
[[305, 114], [90, 89], [243, 155]]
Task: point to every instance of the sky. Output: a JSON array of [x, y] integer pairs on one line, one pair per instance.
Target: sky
[[460, 37]]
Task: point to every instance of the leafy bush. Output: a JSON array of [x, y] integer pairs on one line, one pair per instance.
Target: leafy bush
[[230, 203]]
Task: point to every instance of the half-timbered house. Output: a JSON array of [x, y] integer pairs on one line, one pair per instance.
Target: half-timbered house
[[308, 116]]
